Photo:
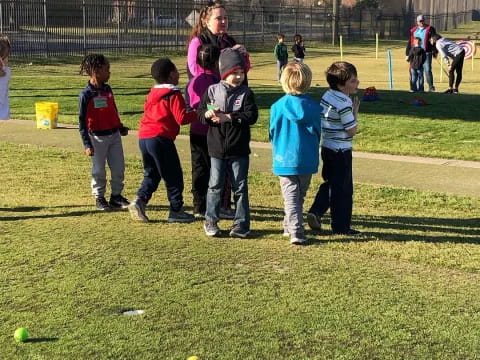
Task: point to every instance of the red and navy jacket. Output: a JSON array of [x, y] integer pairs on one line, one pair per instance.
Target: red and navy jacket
[[98, 113], [164, 111], [429, 32]]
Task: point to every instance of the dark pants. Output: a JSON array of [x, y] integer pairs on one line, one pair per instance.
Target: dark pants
[[336, 192], [161, 161], [200, 171], [457, 66]]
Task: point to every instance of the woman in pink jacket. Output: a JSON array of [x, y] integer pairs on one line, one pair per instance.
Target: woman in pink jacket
[[211, 29]]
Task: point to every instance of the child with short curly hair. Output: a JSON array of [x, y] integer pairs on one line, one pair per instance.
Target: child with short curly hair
[[100, 129]]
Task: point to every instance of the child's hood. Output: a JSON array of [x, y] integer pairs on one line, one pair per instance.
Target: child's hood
[[161, 90], [301, 108]]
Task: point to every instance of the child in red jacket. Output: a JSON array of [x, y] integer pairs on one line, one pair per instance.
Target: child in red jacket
[[164, 112]]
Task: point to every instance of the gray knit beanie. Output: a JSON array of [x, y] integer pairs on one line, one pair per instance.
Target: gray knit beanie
[[230, 60]]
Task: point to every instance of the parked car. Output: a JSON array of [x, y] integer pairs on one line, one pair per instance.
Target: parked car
[[162, 21]]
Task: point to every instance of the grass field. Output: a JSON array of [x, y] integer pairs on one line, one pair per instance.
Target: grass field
[[408, 289]]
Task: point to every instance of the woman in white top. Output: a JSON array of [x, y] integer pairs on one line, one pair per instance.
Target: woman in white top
[[453, 55]]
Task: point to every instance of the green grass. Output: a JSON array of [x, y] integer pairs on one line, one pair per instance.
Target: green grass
[[407, 290], [445, 128]]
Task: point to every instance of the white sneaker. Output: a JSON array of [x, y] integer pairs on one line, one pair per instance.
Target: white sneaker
[[298, 241], [137, 210]]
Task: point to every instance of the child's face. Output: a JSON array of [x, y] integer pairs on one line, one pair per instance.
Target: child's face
[[350, 87], [174, 77], [280, 40], [235, 78], [102, 74], [416, 42]]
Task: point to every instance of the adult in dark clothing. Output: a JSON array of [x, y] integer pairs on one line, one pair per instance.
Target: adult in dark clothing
[[424, 31]]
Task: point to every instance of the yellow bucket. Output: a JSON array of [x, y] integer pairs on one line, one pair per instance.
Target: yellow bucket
[[46, 114]]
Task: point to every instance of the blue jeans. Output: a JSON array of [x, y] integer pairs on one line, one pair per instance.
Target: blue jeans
[[239, 170], [336, 192], [161, 161], [416, 79], [280, 65], [427, 69]]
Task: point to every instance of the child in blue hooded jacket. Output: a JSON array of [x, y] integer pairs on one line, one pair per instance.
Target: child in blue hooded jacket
[[294, 132]]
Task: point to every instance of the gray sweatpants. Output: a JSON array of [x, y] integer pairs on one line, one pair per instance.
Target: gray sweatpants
[[108, 149], [294, 188]]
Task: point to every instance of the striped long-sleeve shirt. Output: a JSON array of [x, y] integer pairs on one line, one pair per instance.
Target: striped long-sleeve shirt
[[337, 119]]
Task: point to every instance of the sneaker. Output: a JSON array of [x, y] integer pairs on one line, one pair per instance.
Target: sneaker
[[455, 91], [286, 233], [432, 89], [449, 91], [239, 232], [211, 228], [137, 210], [102, 204], [349, 232], [314, 221], [199, 215], [118, 201], [180, 216], [298, 241], [227, 213]]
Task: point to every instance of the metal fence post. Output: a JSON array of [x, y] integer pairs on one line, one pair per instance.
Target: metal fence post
[[1, 17], [84, 15], [263, 26], [45, 35]]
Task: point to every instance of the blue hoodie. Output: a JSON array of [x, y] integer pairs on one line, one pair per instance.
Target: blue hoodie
[[295, 128]]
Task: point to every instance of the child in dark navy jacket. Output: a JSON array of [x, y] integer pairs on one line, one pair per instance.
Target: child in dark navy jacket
[[229, 108], [100, 128], [164, 111]]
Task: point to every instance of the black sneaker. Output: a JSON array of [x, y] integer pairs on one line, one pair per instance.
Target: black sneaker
[[102, 204], [137, 210], [314, 221], [211, 228], [239, 232], [180, 216], [118, 202], [449, 91], [455, 91], [349, 232]]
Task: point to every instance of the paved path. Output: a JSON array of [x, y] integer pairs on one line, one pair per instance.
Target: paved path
[[432, 174]]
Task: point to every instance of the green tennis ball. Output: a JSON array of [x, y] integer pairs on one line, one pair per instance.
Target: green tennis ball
[[20, 335]]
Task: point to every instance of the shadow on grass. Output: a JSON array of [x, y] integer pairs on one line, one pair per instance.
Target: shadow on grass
[[41, 339]]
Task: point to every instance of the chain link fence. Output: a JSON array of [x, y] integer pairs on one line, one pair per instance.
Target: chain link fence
[[75, 27]]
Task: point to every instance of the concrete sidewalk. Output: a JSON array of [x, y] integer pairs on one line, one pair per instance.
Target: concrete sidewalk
[[430, 174]]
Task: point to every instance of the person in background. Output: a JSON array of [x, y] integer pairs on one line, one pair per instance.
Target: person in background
[[5, 75], [298, 48], [424, 31], [416, 58], [100, 129], [281, 54], [164, 111], [294, 132], [453, 55]]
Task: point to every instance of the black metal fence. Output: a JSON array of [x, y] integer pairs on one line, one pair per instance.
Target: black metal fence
[[75, 27]]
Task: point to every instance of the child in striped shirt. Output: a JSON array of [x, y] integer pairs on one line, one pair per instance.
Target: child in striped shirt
[[339, 125]]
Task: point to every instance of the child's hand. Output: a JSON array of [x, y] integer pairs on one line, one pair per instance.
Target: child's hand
[[355, 105], [89, 151], [210, 114], [124, 131], [241, 49], [223, 117]]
